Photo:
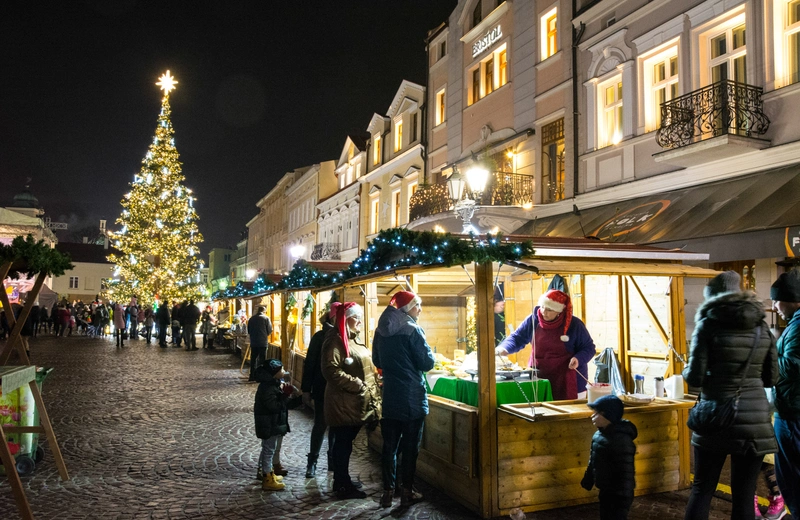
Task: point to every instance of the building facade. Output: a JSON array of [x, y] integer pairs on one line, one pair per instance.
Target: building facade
[[302, 196], [89, 275]]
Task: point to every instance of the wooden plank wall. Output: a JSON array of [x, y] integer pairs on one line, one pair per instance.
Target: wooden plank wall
[[540, 465]]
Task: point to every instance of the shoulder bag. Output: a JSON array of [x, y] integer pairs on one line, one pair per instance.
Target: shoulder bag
[[709, 416]]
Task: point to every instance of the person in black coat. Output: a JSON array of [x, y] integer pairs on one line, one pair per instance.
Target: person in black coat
[[271, 412], [190, 316], [611, 464], [163, 320], [724, 338], [313, 387], [259, 327]]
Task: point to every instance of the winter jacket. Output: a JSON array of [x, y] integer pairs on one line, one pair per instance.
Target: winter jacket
[[313, 380], [721, 343], [351, 395], [787, 387], [270, 409], [580, 342], [119, 317], [162, 316], [611, 464], [207, 326], [259, 328], [190, 315], [402, 352]]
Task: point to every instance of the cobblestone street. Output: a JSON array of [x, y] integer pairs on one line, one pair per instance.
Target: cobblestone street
[[165, 433]]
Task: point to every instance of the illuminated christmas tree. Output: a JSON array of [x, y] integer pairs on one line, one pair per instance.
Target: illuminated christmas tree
[[158, 239]]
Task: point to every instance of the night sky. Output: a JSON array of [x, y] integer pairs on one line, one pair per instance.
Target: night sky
[[264, 87]]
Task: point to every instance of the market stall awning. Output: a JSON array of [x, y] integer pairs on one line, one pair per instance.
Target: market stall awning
[[765, 200]]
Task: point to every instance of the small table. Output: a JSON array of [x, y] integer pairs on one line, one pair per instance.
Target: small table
[[508, 392]]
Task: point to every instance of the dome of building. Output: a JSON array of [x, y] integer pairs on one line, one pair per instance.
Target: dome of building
[[25, 199]]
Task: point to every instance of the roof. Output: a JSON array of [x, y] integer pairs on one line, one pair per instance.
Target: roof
[[12, 218], [756, 202], [88, 253]]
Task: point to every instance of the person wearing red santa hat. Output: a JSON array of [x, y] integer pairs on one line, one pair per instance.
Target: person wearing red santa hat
[[561, 344], [352, 398], [402, 352]]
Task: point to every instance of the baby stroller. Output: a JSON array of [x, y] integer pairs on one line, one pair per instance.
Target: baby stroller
[[89, 330]]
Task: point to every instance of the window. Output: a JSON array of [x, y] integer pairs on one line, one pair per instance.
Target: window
[[414, 129], [73, 282], [553, 152], [374, 215], [440, 108], [412, 189], [398, 135], [396, 208], [661, 80], [787, 42], [342, 180], [549, 32], [443, 49], [477, 15], [489, 75], [376, 150], [728, 56], [610, 115]]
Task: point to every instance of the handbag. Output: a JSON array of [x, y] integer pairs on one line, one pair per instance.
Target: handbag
[[709, 416]]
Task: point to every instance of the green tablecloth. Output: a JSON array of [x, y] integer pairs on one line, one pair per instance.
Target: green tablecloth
[[508, 392]]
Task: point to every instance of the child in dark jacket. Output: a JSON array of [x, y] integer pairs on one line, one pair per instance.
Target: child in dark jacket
[[611, 465], [271, 412]]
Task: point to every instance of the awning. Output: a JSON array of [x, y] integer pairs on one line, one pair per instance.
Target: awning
[[757, 202]]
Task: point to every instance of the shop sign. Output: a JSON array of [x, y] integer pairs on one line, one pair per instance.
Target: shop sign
[[630, 220], [792, 242], [487, 41]]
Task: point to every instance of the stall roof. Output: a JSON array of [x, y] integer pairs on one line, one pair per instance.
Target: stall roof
[[759, 201]]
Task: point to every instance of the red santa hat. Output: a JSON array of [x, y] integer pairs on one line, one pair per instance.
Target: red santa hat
[[344, 311], [559, 302], [405, 301]]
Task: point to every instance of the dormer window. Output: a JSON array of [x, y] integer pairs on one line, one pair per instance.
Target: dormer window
[[376, 150], [477, 15]]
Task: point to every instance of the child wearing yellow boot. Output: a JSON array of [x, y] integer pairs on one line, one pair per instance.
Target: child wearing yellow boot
[[271, 413]]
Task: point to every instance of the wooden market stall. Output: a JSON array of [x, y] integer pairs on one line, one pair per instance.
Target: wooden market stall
[[494, 449]]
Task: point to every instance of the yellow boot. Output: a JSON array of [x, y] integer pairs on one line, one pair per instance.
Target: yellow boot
[[270, 483]]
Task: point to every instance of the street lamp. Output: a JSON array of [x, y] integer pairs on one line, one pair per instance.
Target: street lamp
[[297, 251], [465, 206], [250, 274]]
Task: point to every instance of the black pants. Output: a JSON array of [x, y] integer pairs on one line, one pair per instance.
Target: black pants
[[614, 507], [342, 449], [118, 336], [318, 431], [162, 334], [407, 435], [258, 355], [707, 467]]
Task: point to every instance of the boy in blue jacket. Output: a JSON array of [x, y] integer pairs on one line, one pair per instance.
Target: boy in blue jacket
[[611, 465]]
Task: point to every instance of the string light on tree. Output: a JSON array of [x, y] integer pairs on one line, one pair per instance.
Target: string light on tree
[[158, 238]]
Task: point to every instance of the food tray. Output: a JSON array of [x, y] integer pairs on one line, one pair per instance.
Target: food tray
[[512, 374], [637, 399]]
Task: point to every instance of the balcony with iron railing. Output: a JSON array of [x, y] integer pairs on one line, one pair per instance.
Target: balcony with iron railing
[[325, 251], [502, 189], [726, 108]]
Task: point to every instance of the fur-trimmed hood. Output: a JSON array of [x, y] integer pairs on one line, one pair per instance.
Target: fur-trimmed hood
[[734, 310]]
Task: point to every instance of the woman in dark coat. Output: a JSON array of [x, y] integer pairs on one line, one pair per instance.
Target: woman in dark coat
[[724, 336]]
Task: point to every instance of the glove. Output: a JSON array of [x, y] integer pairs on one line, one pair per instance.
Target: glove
[[287, 390], [587, 482]]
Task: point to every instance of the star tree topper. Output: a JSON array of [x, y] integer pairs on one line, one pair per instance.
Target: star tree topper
[[166, 83]]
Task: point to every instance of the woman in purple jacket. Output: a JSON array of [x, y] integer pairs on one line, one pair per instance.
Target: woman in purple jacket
[[561, 344]]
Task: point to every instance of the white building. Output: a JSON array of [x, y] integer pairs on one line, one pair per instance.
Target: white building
[[317, 182], [90, 273]]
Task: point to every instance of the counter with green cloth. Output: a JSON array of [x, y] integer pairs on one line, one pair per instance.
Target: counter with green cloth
[[508, 392]]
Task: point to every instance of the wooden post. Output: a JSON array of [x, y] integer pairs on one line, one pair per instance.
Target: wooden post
[[678, 336], [284, 330], [44, 417], [624, 331], [13, 477], [17, 331], [487, 388]]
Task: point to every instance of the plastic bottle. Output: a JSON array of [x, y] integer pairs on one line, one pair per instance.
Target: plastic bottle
[[638, 384], [658, 385]]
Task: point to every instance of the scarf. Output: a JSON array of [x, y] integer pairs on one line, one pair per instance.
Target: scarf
[[547, 325]]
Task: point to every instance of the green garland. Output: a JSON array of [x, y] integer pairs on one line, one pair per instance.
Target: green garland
[[31, 257], [308, 307], [291, 301], [392, 249]]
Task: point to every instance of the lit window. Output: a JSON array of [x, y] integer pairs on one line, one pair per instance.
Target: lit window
[[376, 150], [728, 55], [412, 189], [610, 115], [396, 208], [553, 155], [398, 136], [549, 32], [440, 107], [489, 75], [787, 42], [475, 93], [374, 217], [661, 78], [503, 67]]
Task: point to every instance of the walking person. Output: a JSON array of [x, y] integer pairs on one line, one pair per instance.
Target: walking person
[[401, 351], [313, 387], [190, 315], [207, 328], [163, 319], [785, 295], [119, 324], [258, 328], [732, 354], [352, 398], [148, 324]]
